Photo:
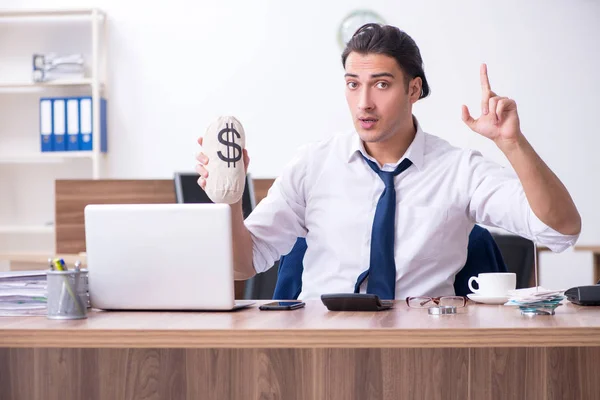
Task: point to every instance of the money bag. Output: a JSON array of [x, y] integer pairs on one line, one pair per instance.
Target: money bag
[[223, 144]]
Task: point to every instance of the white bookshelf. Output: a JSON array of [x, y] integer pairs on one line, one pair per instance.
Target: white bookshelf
[[52, 14], [7, 87], [26, 174], [45, 158]]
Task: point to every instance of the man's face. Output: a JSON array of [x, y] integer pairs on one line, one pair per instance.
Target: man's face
[[378, 97]]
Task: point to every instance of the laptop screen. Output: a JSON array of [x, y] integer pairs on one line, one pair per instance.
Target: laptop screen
[[187, 190]]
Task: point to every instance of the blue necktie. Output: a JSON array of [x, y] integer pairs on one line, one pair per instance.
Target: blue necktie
[[382, 267]]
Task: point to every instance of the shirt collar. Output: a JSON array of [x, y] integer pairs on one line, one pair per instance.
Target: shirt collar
[[415, 152]]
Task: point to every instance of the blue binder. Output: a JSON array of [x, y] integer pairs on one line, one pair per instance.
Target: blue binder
[[73, 134], [46, 122], [59, 123], [86, 124]]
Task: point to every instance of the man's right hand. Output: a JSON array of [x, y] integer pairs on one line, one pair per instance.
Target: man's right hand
[[203, 161]]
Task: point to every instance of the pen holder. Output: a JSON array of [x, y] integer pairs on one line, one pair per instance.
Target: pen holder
[[67, 294]]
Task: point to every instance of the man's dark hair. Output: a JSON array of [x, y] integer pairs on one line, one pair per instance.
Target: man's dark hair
[[391, 41]]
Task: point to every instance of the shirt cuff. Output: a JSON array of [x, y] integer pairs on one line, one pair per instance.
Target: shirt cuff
[[545, 235]]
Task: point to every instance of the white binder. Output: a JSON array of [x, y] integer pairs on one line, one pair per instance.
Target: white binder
[[46, 124], [85, 115], [73, 124]]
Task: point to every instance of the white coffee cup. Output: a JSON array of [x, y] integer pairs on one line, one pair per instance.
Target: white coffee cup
[[493, 283]]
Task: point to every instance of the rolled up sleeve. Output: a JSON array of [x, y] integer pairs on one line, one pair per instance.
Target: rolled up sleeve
[[497, 199]]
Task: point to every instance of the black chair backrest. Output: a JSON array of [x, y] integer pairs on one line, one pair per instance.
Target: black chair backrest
[[518, 256], [262, 286]]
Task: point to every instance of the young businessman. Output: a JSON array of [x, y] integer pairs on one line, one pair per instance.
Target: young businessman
[[391, 202]]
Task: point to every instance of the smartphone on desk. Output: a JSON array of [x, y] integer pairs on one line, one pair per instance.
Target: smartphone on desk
[[282, 305]]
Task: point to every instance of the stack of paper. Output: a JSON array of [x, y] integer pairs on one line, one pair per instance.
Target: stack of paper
[[23, 293], [47, 67], [536, 301]]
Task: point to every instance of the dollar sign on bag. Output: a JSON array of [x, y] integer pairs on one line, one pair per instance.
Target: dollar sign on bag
[[232, 156]]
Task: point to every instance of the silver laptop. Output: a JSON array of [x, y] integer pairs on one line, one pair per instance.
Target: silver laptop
[[160, 257]]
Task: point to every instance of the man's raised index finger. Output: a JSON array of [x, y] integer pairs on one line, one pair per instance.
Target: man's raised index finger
[[485, 82]]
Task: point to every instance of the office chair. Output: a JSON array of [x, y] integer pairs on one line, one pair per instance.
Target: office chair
[[483, 255]]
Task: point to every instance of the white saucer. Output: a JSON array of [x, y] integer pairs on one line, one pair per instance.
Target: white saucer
[[478, 298]]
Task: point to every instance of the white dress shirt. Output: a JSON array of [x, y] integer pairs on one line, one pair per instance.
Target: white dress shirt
[[328, 194]]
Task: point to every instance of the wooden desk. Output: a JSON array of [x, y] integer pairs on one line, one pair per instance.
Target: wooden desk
[[485, 352]]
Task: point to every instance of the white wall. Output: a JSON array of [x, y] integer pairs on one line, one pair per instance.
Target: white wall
[[174, 66]]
